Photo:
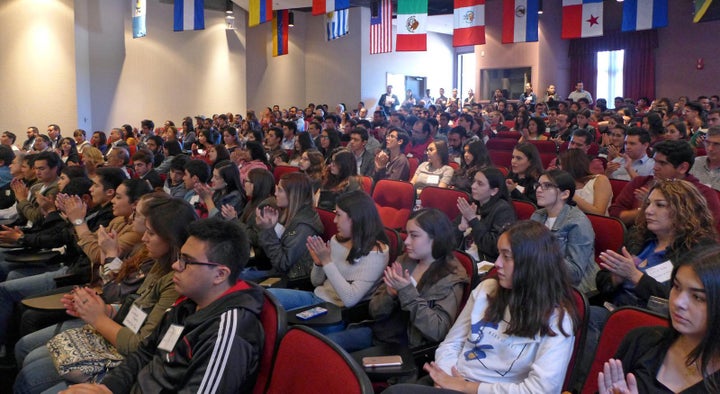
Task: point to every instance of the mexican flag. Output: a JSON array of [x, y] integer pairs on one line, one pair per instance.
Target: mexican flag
[[411, 25]]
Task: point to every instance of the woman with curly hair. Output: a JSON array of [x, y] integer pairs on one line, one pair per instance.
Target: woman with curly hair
[[673, 220], [312, 163], [475, 158], [340, 177]]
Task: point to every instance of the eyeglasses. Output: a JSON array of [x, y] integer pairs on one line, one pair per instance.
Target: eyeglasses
[[183, 263], [545, 186]]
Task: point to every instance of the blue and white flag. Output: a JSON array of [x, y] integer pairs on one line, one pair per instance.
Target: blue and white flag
[[644, 14], [337, 24], [189, 15], [139, 8]]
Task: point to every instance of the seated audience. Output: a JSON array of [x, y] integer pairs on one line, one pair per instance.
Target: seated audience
[[207, 352], [516, 333], [312, 163], [707, 168], [391, 163], [225, 188], [525, 169], [635, 161], [143, 164], [593, 193], [347, 269], [475, 158], [684, 357], [340, 177], [480, 224], [435, 171]]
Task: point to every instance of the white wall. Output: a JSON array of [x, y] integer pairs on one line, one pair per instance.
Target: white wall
[[436, 64], [165, 75], [37, 65]]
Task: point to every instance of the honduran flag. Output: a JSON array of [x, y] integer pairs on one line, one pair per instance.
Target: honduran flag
[[582, 18], [321, 7], [260, 12], [139, 8], [189, 15], [469, 24], [644, 14], [520, 21], [411, 25], [280, 30]]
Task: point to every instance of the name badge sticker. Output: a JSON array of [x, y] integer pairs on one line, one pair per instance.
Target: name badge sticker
[[171, 337], [135, 319], [433, 179], [661, 272]]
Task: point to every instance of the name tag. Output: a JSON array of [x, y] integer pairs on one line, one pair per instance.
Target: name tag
[[661, 272], [433, 179], [171, 337], [135, 319]]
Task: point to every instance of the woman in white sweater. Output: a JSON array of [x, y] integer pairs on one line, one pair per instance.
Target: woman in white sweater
[[515, 334], [347, 269]]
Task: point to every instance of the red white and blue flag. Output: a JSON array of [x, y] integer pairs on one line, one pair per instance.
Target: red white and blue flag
[[582, 18], [520, 21], [469, 23], [380, 27], [644, 14], [321, 7]]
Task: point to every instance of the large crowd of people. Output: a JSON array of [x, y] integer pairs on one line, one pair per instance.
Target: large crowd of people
[[160, 234]]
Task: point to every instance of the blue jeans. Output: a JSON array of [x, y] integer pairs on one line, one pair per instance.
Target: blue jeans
[[253, 274], [13, 291], [294, 299], [353, 339]]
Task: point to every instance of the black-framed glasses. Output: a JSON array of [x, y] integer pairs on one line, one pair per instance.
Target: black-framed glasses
[[545, 186], [183, 262]]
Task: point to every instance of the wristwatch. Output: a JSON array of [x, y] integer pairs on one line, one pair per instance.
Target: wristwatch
[[78, 222]]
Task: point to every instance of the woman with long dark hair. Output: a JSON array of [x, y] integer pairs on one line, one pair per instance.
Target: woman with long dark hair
[[525, 169], [516, 332], [340, 177], [475, 158], [225, 189]]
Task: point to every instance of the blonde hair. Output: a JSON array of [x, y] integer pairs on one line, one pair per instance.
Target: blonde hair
[[91, 153]]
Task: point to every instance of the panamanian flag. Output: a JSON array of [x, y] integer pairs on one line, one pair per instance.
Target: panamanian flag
[[582, 18]]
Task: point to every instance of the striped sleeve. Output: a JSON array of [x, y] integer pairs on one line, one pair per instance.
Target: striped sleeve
[[220, 353]]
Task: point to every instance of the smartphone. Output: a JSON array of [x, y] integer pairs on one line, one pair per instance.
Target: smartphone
[[310, 313], [382, 361], [269, 282]]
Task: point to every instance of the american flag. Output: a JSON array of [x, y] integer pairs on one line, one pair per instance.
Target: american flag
[[380, 27]]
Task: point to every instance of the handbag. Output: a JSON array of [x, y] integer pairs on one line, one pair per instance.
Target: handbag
[[82, 354]]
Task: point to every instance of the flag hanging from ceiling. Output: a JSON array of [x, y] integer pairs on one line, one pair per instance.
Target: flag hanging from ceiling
[[337, 24], [320, 7], [411, 25], [380, 27], [469, 23], [520, 21], [706, 10], [260, 12], [138, 18], [189, 15], [582, 18], [644, 14], [280, 29]]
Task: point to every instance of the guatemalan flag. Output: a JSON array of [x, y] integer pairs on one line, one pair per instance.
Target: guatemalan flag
[[189, 15], [321, 7], [469, 23], [644, 14], [520, 21], [582, 18]]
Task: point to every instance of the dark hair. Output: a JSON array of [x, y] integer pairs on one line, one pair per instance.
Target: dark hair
[[305, 142], [173, 148], [442, 150], [439, 228], [479, 152], [161, 143], [143, 155], [589, 136], [12, 136], [531, 152], [222, 154], [198, 168], [459, 131], [401, 136], [177, 163], [263, 183], [540, 124], [677, 152], [540, 284], [576, 163], [361, 131], [695, 106], [705, 263], [78, 186], [291, 125], [278, 132], [51, 158], [136, 188], [147, 123], [347, 167], [110, 177], [299, 192], [74, 172], [231, 176], [680, 126], [564, 182], [6, 155], [642, 134], [257, 152], [496, 179], [170, 218], [333, 139], [227, 243], [367, 228]]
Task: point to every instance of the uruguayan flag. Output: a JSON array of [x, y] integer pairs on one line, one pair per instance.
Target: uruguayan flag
[[337, 24]]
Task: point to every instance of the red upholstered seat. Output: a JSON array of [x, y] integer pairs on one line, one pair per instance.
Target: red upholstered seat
[[394, 201], [279, 171], [523, 209], [443, 199], [272, 317], [308, 362]]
